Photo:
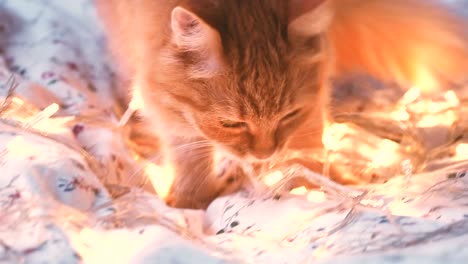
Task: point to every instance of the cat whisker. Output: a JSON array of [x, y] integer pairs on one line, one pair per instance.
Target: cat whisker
[[139, 169], [194, 145], [198, 146], [314, 132]]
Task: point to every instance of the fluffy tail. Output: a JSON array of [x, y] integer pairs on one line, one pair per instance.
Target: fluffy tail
[[419, 43]]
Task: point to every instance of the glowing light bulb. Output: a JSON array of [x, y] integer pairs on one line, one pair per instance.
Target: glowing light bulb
[[299, 191], [273, 178], [452, 98], [410, 96]]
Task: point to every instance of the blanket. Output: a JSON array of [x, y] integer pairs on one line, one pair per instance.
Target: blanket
[[72, 191]]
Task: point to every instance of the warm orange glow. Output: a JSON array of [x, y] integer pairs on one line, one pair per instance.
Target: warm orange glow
[[162, 178], [425, 80]]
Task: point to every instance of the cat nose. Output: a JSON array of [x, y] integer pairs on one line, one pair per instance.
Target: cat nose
[[263, 154], [263, 148]]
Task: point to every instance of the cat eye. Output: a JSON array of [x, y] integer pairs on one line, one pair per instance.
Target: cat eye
[[233, 124], [290, 115]]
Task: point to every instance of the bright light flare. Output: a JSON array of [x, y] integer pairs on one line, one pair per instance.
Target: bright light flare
[[401, 209], [273, 178], [316, 197], [333, 134], [386, 154], [452, 98], [400, 115], [426, 81], [443, 119], [462, 150], [93, 245], [161, 177], [137, 99], [19, 148], [299, 191], [410, 96]]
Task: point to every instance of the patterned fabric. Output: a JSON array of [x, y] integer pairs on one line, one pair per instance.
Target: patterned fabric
[[61, 156]]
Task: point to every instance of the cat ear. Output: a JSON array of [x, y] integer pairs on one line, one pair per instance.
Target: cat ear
[[191, 33], [309, 17]]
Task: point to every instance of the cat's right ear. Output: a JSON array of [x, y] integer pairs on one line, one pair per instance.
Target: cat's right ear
[[309, 17], [191, 33]]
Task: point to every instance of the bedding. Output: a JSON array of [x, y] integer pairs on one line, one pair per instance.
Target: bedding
[[73, 191]]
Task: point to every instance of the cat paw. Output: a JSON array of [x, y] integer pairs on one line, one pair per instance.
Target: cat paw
[[227, 180], [186, 202], [230, 177]]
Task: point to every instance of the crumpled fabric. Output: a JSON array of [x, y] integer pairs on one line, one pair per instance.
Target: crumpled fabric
[[70, 192]]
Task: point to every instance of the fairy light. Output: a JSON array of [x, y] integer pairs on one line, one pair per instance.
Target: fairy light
[[333, 134], [410, 96], [442, 119], [273, 178], [451, 98], [45, 114], [299, 191]]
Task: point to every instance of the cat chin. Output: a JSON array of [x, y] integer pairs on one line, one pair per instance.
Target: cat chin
[[222, 152]]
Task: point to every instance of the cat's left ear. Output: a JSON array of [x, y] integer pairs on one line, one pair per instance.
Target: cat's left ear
[[191, 33], [309, 17]]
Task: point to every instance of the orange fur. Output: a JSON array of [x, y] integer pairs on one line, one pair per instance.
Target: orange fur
[[414, 42]]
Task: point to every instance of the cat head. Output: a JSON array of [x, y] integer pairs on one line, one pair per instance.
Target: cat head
[[244, 74]]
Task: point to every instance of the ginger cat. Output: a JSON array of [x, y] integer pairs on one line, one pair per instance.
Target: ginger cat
[[250, 78]]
